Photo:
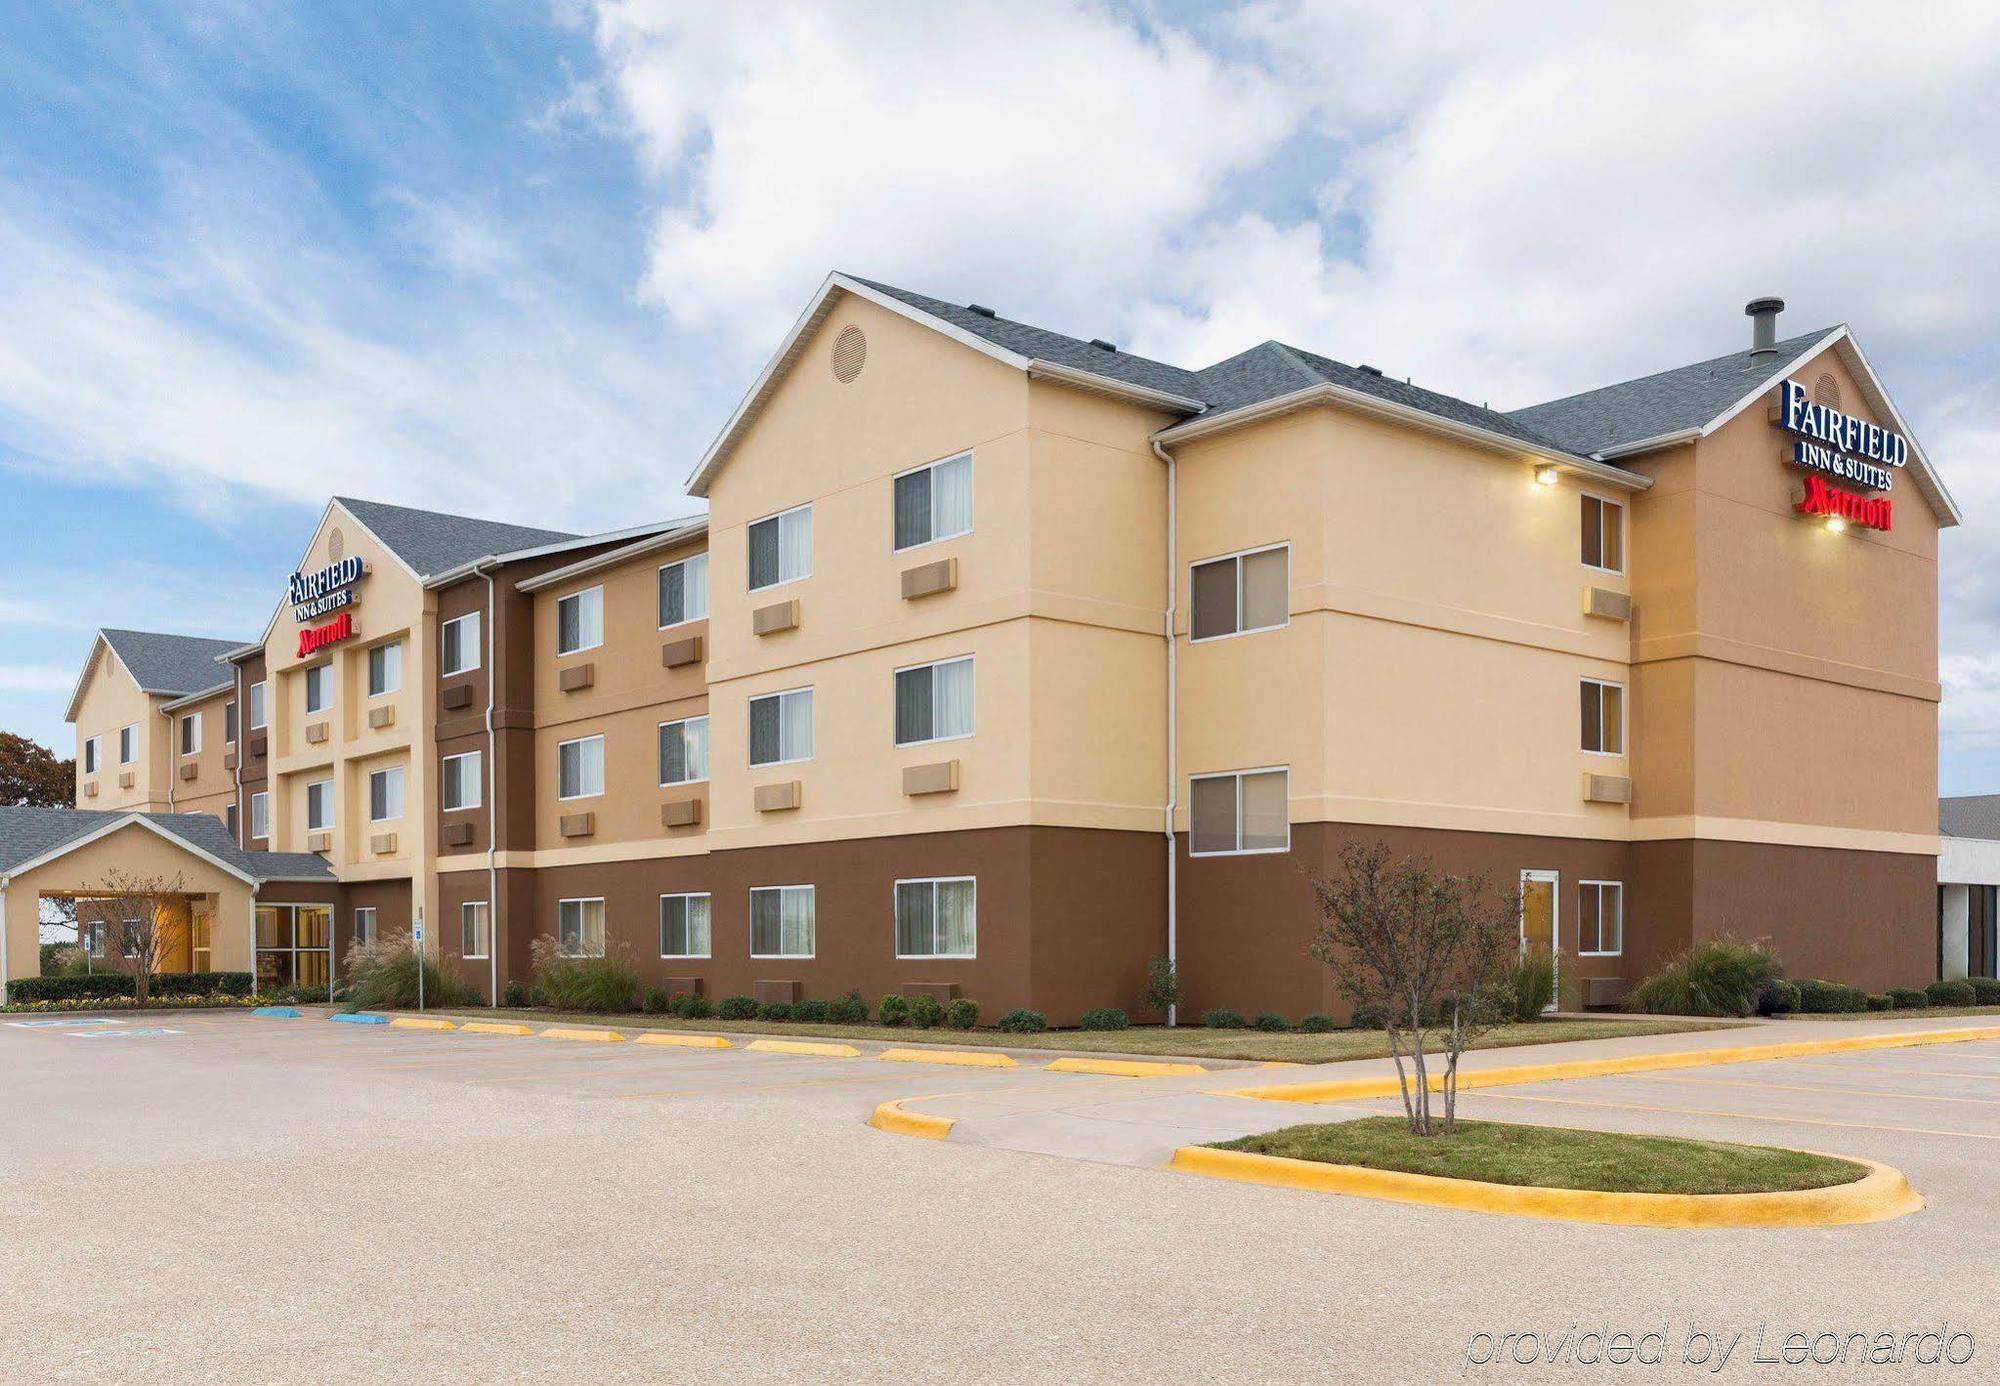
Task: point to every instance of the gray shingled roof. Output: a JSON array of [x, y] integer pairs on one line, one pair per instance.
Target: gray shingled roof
[[432, 542], [173, 664], [1971, 815], [1669, 402], [28, 832]]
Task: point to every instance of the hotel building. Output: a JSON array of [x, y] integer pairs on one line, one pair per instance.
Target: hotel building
[[1004, 662]]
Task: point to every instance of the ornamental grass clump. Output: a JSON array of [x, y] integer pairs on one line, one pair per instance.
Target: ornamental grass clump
[[607, 983], [384, 978], [1722, 977]]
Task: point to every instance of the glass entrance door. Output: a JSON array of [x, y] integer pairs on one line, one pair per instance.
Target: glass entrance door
[[1540, 923], [294, 945]]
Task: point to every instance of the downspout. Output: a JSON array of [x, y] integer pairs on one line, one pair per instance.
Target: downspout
[[242, 744], [173, 758], [492, 787], [1173, 724]]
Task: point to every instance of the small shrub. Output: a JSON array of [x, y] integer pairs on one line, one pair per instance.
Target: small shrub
[[691, 1006], [812, 1012], [926, 1012], [1367, 1018], [655, 1001], [1985, 989], [1723, 976], [894, 1010], [609, 983], [1316, 1024], [514, 994], [1163, 985], [1222, 1018], [1952, 991], [1905, 999], [536, 997], [1531, 987], [775, 1010], [962, 1013], [848, 1010], [1022, 1021], [1271, 1023], [1105, 1018], [737, 1008], [1779, 997], [1817, 997], [1881, 1001]]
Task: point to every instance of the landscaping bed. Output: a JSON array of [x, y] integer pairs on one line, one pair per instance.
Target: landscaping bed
[[1554, 1157]]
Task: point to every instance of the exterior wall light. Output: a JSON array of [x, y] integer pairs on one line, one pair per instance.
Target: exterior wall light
[[1835, 524], [1546, 476]]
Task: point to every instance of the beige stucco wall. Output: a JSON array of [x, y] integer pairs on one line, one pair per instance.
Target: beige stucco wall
[[213, 787], [112, 700]]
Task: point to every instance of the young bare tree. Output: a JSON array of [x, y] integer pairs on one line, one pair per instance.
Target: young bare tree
[[135, 912], [1423, 950]]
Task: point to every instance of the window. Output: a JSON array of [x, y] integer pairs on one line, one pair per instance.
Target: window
[[684, 751], [460, 787], [257, 718], [191, 734], [684, 591], [385, 669], [781, 548], [364, 926], [128, 935], [1247, 811], [934, 502], [319, 687], [1603, 534], [580, 768], [229, 724], [385, 794], [128, 744], [1603, 718], [260, 814], [91, 754], [580, 928], [937, 919], [781, 922], [229, 820], [1600, 918], [580, 621], [1240, 593], [460, 645], [683, 926], [934, 702], [93, 933], [781, 727], [319, 806], [473, 930]]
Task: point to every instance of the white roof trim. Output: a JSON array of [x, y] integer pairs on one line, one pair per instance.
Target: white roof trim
[[62, 850], [609, 536], [190, 699], [1039, 369], [90, 660], [658, 543]]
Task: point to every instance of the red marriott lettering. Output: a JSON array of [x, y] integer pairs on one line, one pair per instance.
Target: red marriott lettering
[[1871, 512], [319, 637]]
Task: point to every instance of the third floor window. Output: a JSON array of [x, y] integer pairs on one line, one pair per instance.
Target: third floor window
[[934, 502], [1239, 593], [580, 621], [684, 591], [781, 548]]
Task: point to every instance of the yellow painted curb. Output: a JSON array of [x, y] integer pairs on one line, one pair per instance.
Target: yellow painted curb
[[963, 1058], [1883, 1193], [829, 1051], [1354, 1089], [683, 1041], [1122, 1068], [596, 1036], [421, 1022], [493, 1027], [891, 1117]]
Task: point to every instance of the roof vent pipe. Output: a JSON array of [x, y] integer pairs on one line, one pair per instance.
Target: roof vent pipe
[[1763, 314]]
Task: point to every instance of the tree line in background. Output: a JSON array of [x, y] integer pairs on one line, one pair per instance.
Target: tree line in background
[[30, 774]]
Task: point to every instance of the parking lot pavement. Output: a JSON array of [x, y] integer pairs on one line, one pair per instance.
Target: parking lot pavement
[[282, 1199]]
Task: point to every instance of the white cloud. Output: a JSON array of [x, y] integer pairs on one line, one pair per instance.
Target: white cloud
[[36, 678]]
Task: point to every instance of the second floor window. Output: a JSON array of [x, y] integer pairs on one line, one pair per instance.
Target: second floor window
[[385, 669], [1603, 718], [257, 719], [781, 727], [190, 734], [684, 751], [459, 786], [934, 502], [91, 749], [128, 744], [580, 621], [319, 806], [319, 688], [458, 642], [1244, 811], [1242, 592], [580, 768], [934, 702], [1603, 534], [781, 548], [385, 794], [684, 591]]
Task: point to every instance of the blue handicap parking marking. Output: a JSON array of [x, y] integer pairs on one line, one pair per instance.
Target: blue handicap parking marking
[[64, 1023], [137, 1032], [359, 1018]]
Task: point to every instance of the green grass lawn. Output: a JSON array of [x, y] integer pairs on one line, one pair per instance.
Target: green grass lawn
[[1184, 1041], [1914, 1013], [1554, 1157]]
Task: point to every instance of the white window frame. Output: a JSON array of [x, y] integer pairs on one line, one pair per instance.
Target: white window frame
[[366, 936], [583, 900], [659, 579], [895, 924], [93, 754], [231, 714], [444, 780], [1237, 775], [603, 771], [971, 493], [775, 516], [397, 816], [327, 826], [325, 667], [578, 595], [260, 816], [935, 664], [701, 895], [1600, 952], [1617, 505], [1618, 754], [188, 738], [128, 735], [666, 783], [260, 708], [1237, 558], [383, 650], [484, 931], [813, 723], [752, 921], [463, 645]]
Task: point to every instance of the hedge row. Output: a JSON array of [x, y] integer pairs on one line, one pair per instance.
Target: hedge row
[[98, 986]]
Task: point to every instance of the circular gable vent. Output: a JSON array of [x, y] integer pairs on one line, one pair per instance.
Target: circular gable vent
[[1826, 390], [336, 545], [850, 354]]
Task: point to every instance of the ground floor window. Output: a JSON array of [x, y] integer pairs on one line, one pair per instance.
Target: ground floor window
[[580, 928], [294, 945], [1244, 811], [1600, 918], [473, 928], [684, 926], [1981, 917], [364, 926], [781, 922], [937, 918]]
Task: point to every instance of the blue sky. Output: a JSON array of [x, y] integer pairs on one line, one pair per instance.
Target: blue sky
[[523, 258]]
